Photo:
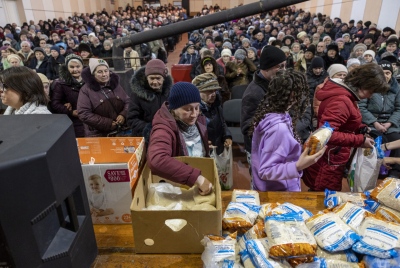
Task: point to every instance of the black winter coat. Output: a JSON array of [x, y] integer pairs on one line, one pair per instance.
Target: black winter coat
[[252, 97], [217, 129], [66, 90], [42, 67], [314, 80], [145, 103], [53, 67]]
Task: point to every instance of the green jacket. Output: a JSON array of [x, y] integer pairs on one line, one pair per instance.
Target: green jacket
[[383, 108]]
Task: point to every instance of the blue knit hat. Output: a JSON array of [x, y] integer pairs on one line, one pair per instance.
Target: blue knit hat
[[183, 93], [56, 48]]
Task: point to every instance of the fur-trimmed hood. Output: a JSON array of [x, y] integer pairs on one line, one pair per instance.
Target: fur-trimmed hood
[[91, 82], [142, 89]]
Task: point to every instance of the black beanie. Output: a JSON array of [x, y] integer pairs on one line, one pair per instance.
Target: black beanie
[[317, 62], [333, 46], [181, 94], [386, 65], [367, 24], [270, 57], [255, 31], [218, 39], [311, 48], [369, 36]]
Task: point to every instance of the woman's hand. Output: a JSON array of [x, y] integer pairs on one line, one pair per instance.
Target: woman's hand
[[205, 186], [228, 142], [379, 127], [120, 119], [68, 106], [388, 161], [114, 125], [306, 160], [368, 143], [387, 125]]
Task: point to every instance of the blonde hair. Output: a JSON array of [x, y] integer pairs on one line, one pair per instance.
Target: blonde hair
[[94, 177]]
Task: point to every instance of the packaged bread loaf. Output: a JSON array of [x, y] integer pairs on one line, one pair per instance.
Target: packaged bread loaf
[[288, 236], [334, 198], [319, 138], [327, 263], [258, 252], [246, 196], [382, 212], [331, 233], [266, 210], [255, 232], [388, 193], [351, 214], [219, 251], [239, 217], [345, 255], [378, 238]]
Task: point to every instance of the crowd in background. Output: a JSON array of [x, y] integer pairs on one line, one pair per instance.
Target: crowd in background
[[73, 57]]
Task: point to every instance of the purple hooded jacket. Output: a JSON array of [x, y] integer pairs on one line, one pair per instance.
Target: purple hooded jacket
[[274, 154]]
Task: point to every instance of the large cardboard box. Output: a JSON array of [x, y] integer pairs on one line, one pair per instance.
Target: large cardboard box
[[111, 169], [152, 235]]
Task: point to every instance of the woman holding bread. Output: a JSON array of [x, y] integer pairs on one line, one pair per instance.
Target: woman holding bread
[[277, 161], [179, 129], [340, 109]]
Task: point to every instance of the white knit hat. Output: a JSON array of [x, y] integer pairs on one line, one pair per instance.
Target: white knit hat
[[335, 68], [94, 63], [226, 52], [369, 52]]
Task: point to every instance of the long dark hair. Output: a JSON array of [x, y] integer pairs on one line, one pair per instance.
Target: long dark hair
[[287, 87], [26, 82], [369, 76]]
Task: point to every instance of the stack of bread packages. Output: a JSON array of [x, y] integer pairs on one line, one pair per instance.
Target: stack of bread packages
[[355, 230]]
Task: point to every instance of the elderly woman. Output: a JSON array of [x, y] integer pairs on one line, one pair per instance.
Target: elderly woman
[[210, 106], [102, 102], [65, 91], [22, 90], [179, 129], [13, 60]]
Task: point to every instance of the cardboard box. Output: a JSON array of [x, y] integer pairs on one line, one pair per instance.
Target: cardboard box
[[111, 169], [152, 235]]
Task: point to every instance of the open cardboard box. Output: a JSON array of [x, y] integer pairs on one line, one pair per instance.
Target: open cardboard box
[[112, 165], [152, 235]]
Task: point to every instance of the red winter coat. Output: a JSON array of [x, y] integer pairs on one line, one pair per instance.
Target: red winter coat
[[339, 108], [166, 142]]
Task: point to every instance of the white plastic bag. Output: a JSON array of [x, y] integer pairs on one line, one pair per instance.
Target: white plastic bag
[[224, 163], [364, 170]]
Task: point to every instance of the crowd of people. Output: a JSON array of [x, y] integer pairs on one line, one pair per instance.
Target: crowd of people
[[301, 70]]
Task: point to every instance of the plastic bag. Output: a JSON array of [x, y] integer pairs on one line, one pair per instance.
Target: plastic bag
[[388, 193], [319, 138], [383, 212], [288, 236], [256, 232], [246, 196], [334, 198], [219, 251], [378, 238], [346, 255], [365, 167], [239, 217], [258, 252], [331, 233], [351, 214], [373, 262], [224, 163]]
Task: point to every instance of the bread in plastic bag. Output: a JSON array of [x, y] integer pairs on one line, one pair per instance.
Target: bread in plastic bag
[[374, 262], [266, 209], [319, 138], [388, 193], [246, 259], [246, 196], [334, 198], [345, 255], [327, 263], [288, 236], [378, 238], [239, 217], [382, 212], [331, 233], [219, 251], [258, 252], [255, 232], [351, 214]]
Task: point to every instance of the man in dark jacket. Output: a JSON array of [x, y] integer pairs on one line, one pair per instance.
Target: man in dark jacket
[[332, 56], [272, 60], [150, 86]]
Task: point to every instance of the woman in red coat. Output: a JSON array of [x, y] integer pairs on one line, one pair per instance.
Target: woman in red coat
[[339, 108], [179, 129]]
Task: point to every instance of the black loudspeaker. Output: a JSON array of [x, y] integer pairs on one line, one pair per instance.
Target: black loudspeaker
[[44, 213]]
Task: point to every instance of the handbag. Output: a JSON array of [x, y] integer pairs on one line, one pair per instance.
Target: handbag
[[224, 163], [122, 130]]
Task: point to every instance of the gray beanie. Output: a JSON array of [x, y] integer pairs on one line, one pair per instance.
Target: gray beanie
[[335, 68], [352, 61], [240, 54], [245, 40], [228, 45]]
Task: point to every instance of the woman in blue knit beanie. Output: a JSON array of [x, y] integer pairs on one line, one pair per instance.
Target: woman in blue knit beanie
[[179, 129]]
